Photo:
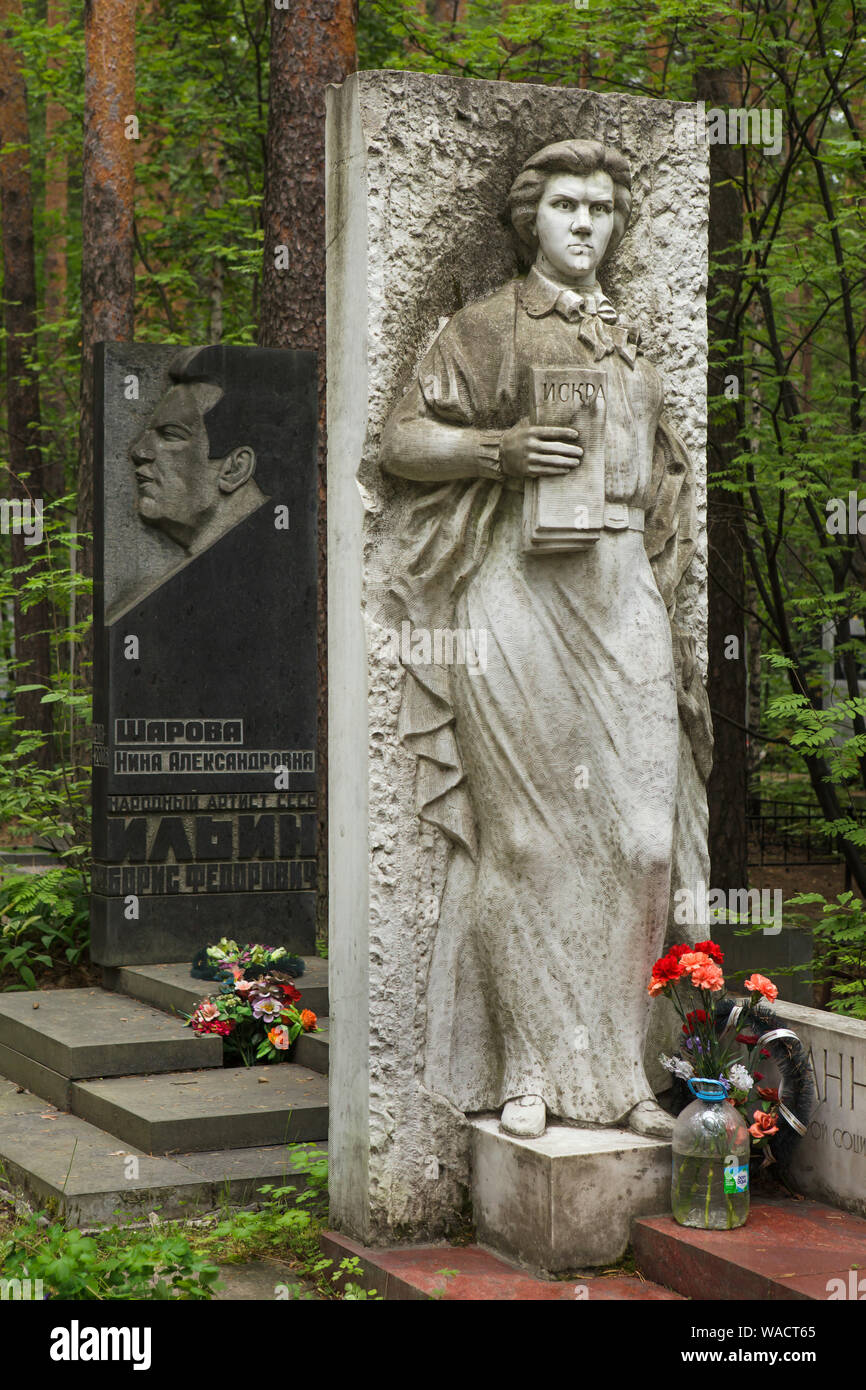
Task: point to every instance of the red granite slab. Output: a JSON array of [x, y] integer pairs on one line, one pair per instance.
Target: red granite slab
[[416, 1274], [787, 1250]]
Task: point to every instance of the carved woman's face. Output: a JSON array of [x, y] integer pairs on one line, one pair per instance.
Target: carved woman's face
[[573, 224]]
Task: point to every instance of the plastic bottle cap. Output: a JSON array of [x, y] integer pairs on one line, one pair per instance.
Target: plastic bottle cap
[[705, 1088]]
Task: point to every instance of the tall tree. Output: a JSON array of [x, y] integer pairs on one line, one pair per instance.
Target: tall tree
[[312, 45], [55, 262], [727, 671], [26, 481], [108, 183]]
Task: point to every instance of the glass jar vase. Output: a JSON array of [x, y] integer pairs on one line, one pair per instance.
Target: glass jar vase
[[710, 1149]]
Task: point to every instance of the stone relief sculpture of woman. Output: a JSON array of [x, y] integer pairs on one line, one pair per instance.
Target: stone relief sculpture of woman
[[553, 767]]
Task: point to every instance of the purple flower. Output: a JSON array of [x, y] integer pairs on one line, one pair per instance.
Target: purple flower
[[267, 1007]]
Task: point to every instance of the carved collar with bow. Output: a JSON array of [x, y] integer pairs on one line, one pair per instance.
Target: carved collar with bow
[[600, 327]]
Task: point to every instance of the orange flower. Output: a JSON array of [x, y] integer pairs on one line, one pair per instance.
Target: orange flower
[[704, 971], [764, 1125], [279, 1037], [768, 1092], [759, 984], [694, 958], [657, 987], [308, 1020], [708, 977]]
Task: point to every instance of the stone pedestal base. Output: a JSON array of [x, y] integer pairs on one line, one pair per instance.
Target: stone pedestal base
[[565, 1201]]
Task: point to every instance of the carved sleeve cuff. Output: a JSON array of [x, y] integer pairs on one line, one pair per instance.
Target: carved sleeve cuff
[[490, 465]]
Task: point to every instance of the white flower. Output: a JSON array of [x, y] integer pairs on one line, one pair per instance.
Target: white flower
[[678, 1066], [740, 1078]]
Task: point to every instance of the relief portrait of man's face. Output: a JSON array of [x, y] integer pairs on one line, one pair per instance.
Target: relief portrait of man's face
[[181, 489]]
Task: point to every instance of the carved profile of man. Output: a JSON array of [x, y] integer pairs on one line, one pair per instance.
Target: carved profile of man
[[557, 891], [194, 465], [194, 460]]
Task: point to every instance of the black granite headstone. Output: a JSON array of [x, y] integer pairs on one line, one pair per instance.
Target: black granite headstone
[[204, 759]]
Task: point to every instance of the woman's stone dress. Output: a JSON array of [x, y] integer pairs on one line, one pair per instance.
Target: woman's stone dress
[[553, 770]]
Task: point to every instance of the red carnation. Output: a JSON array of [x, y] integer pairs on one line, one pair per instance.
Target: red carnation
[[748, 1038], [680, 950], [710, 949], [292, 994], [667, 967], [695, 1017]]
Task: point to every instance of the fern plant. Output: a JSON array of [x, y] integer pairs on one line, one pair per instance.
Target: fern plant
[[44, 919]]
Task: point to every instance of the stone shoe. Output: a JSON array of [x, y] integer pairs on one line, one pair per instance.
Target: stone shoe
[[524, 1117], [648, 1118]]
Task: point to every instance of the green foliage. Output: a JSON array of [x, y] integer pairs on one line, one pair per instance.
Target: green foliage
[[840, 956], [45, 919], [287, 1225], [115, 1264]]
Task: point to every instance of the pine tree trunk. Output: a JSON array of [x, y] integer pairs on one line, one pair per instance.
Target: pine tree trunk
[[55, 271], [726, 678], [25, 478], [312, 44], [108, 181]]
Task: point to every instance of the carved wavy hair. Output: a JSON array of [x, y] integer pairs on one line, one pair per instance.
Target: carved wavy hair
[[568, 157]]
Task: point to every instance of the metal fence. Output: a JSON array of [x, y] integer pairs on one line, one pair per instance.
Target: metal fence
[[791, 828]]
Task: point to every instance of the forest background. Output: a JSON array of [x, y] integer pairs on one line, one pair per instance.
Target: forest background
[[154, 156]]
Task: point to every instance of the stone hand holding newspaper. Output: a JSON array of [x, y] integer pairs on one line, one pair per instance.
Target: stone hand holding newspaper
[[567, 512]]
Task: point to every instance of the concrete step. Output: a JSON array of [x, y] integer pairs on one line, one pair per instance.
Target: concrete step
[[311, 1049], [196, 1111], [786, 1250], [172, 988], [51, 1037], [88, 1178]]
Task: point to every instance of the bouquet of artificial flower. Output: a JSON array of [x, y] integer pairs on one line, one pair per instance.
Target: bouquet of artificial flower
[[692, 978], [258, 1019], [216, 962]]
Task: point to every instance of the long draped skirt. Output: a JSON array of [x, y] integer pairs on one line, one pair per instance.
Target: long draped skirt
[[569, 738]]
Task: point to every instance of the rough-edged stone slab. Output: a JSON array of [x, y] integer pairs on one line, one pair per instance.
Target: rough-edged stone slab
[[830, 1161], [89, 1032], [418, 171], [564, 1201], [233, 1108]]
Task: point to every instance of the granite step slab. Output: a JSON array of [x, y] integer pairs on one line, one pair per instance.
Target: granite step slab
[[87, 1177], [77, 1033], [312, 1049], [787, 1250], [197, 1111], [468, 1273], [172, 988]]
